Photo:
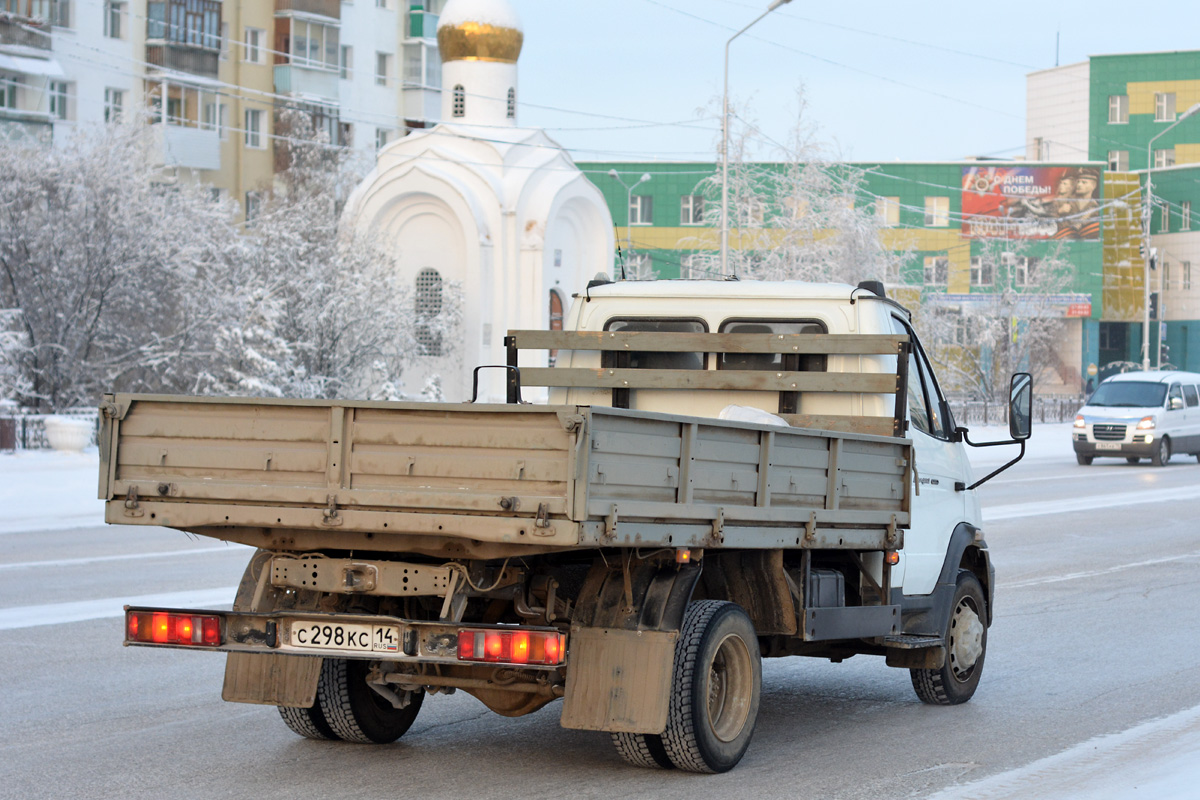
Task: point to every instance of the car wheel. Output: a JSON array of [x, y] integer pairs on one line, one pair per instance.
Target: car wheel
[[1083, 460], [1162, 454]]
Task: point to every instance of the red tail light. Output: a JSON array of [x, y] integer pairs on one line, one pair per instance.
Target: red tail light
[[163, 627], [545, 648]]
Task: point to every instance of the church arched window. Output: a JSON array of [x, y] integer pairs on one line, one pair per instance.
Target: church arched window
[[512, 103], [556, 319], [460, 100], [428, 305]]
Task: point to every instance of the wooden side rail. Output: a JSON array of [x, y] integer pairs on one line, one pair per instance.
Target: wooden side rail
[[787, 343]]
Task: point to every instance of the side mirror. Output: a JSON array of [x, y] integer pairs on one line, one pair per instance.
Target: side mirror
[[1176, 403], [1020, 406]]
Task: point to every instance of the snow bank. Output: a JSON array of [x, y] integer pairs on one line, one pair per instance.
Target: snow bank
[[44, 490], [489, 12]]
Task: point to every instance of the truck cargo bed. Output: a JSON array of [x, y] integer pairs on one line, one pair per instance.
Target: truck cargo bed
[[497, 479]]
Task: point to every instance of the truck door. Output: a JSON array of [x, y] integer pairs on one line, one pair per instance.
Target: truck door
[[938, 507]]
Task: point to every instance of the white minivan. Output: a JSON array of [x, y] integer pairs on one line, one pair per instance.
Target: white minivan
[[1139, 415]]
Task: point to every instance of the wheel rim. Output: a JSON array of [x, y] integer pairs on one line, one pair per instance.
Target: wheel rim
[[730, 688], [966, 639], [1164, 451]]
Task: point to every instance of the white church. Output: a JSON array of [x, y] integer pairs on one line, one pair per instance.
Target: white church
[[479, 200]]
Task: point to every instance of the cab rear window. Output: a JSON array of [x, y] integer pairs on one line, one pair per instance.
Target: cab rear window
[[771, 361], [649, 359]]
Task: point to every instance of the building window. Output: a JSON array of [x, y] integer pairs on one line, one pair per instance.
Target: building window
[[460, 101], [1118, 160], [512, 103], [194, 22], [1164, 157], [60, 12], [212, 117], [383, 68], [1187, 274], [253, 206], [1164, 106], [346, 65], [1185, 215], [313, 44], [113, 12], [224, 41], [223, 121], [1166, 267], [1039, 149], [1024, 270], [937, 212], [254, 133], [382, 137], [428, 305], [254, 45], [1118, 109], [981, 272], [887, 210], [1164, 217], [937, 270], [691, 209], [60, 94], [8, 90], [641, 209], [114, 102], [381, 3], [691, 268]]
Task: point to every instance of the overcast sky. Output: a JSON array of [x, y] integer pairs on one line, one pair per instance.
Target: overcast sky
[[884, 81]]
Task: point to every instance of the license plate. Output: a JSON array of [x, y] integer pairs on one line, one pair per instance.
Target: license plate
[[344, 636], [1108, 445]]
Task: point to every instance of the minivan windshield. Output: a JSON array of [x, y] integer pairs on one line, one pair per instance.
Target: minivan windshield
[[1129, 394]]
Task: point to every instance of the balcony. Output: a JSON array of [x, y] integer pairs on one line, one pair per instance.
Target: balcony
[[197, 148], [16, 31], [25, 127], [422, 24], [183, 58], [293, 79], [326, 8]]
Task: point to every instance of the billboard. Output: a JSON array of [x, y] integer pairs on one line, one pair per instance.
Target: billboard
[[1031, 202]]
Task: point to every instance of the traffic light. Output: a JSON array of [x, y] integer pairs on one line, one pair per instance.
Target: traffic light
[[1154, 305], [1164, 354]]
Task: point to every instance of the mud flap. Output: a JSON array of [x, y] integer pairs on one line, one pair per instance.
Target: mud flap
[[271, 679], [619, 680]]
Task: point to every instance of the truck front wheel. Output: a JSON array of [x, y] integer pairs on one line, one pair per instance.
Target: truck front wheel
[[355, 711], [715, 688], [966, 645]]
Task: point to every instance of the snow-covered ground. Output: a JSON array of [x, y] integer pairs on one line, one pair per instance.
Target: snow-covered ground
[[48, 491]]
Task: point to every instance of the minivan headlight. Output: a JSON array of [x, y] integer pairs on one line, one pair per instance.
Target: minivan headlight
[[1079, 423], [1146, 424]]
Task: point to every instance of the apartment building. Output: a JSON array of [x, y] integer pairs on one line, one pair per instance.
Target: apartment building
[[213, 76]]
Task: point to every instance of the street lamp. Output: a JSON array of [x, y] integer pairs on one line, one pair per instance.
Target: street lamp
[[1146, 242], [725, 141], [629, 206]]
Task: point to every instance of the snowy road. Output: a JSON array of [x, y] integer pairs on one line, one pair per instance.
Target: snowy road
[[1091, 688]]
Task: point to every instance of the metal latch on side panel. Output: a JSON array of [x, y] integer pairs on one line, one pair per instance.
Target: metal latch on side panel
[[330, 515], [541, 524], [610, 524], [717, 536], [132, 509]]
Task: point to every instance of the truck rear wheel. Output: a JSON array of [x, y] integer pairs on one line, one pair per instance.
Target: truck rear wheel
[[307, 722], [715, 688], [966, 645], [642, 750], [355, 711]]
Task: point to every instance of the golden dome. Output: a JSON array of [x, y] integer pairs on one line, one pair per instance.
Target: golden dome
[[479, 41]]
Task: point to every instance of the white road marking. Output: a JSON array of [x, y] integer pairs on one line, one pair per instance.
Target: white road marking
[[1072, 576], [1155, 759], [74, 562], [109, 607], [1074, 505]]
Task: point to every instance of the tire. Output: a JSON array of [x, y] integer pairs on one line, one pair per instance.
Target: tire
[[1132, 459], [307, 722], [642, 750], [354, 711], [966, 647], [1083, 460], [1162, 453], [715, 688]]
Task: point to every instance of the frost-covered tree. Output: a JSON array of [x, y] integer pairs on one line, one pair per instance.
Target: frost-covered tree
[[1017, 327], [106, 264], [797, 215]]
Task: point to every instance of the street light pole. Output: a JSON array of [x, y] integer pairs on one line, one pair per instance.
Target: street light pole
[[1146, 242], [628, 206], [725, 141]]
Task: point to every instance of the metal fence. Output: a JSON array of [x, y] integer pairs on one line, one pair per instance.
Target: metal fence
[[1052, 408], [19, 431]]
